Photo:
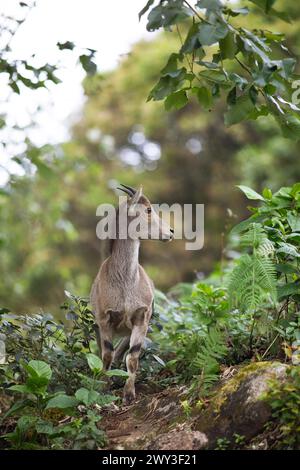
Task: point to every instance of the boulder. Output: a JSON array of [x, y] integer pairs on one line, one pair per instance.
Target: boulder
[[237, 407]]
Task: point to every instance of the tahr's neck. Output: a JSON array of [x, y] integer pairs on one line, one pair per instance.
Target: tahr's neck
[[125, 257]]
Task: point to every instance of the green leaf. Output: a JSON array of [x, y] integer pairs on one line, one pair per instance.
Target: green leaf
[[267, 7], [17, 406], [210, 33], [295, 237], [231, 97], [215, 76], [212, 5], [171, 65], [239, 111], [20, 388], [62, 402], [104, 400], [146, 8], [286, 268], [241, 82], [288, 289], [39, 369], [294, 222], [288, 249], [253, 93], [176, 100], [282, 15], [116, 373], [250, 193], [251, 46], [87, 64], [88, 397], [94, 362], [45, 427], [192, 42], [290, 125], [159, 360], [14, 86], [287, 65], [272, 36], [284, 192], [169, 83], [259, 111], [228, 46], [267, 193], [295, 189], [26, 423], [209, 65], [66, 45], [4, 310], [166, 14], [237, 11], [204, 96], [69, 295]]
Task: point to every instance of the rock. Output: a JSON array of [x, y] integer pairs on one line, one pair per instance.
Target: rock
[[237, 406], [179, 439]]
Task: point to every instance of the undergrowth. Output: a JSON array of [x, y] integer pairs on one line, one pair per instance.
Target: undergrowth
[[53, 376]]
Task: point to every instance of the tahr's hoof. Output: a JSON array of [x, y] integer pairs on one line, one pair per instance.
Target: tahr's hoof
[[128, 398]]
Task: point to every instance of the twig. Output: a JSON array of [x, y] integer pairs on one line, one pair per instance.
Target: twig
[[269, 347], [243, 65], [195, 12]]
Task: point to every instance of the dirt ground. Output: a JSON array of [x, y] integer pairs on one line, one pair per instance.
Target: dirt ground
[[141, 425]]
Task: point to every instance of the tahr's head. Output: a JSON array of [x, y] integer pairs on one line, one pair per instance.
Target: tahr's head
[[141, 215]]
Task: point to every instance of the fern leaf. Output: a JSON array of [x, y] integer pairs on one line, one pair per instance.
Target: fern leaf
[[254, 237], [266, 249], [207, 359], [252, 278]]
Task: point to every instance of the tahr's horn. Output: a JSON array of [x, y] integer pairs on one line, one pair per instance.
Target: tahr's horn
[[128, 190]]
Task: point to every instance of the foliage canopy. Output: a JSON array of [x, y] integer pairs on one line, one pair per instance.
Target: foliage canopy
[[205, 65]]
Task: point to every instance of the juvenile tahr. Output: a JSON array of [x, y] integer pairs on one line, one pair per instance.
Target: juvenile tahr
[[122, 293]]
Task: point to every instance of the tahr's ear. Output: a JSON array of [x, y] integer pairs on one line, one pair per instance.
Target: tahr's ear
[[135, 200]]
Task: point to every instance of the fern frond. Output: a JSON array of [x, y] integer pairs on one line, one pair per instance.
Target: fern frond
[[257, 239], [266, 249], [252, 278], [207, 359], [254, 237]]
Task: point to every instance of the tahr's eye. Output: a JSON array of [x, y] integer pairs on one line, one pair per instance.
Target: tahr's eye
[[148, 210]]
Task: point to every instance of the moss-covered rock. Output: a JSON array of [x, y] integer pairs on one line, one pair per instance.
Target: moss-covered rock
[[237, 407]]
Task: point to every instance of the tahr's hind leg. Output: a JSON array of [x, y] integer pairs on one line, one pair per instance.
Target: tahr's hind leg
[[108, 324], [98, 339], [139, 331], [121, 349], [107, 348]]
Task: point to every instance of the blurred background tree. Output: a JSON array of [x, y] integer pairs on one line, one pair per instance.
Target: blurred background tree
[[48, 221]]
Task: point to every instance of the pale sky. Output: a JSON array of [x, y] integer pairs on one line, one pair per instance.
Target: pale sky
[[109, 26]]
